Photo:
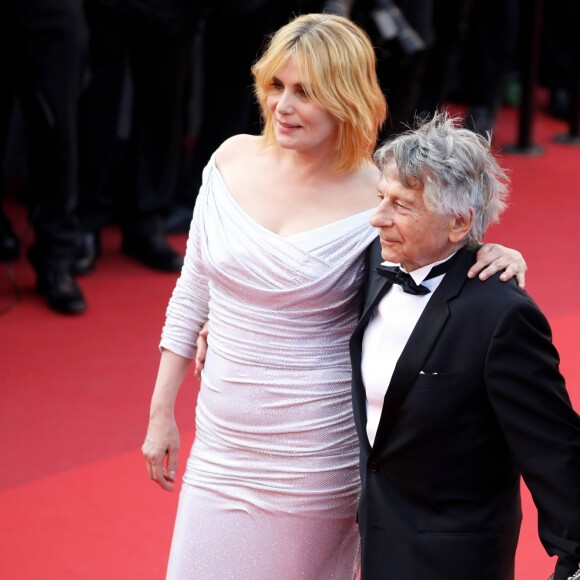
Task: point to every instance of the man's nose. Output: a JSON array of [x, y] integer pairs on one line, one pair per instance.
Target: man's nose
[[383, 215]]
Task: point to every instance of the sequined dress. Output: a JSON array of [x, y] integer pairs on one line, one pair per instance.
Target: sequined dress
[[271, 484]]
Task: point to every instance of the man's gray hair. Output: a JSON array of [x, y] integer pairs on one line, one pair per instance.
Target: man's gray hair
[[455, 167]]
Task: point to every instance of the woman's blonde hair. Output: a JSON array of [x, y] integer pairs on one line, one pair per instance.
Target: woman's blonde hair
[[338, 65]]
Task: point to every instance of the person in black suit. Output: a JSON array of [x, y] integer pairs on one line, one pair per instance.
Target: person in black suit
[[456, 385], [147, 43], [42, 47]]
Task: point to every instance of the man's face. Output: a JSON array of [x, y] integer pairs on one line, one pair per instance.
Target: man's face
[[410, 234]]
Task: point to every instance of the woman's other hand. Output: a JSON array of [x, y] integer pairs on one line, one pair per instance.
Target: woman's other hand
[[201, 344], [160, 450]]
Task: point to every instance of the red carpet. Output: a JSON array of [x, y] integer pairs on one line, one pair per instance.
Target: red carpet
[[74, 495]]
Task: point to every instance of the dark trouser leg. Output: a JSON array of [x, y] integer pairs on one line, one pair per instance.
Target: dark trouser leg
[[158, 55], [9, 245], [490, 47], [400, 74], [450, 25], [99, 112], [49, 84], [491, 42]]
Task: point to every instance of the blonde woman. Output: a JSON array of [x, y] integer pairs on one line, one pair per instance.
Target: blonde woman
[[274, 261]]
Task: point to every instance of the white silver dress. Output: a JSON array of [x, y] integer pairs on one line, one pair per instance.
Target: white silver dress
[[271, 485]]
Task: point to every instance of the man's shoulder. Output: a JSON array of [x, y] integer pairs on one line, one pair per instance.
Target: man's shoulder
[[486, 294], [494, 292]]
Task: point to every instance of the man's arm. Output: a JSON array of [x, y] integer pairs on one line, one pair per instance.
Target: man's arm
[[530, 400]]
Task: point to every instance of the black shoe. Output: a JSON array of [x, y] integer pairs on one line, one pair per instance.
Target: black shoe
[[9, 243], [154, 252], [89, 253], [62, 292]]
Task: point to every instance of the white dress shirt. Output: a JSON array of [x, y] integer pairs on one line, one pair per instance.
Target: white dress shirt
[[386, 336]]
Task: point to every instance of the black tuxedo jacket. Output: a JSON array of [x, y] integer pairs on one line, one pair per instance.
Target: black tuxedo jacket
[[476, 399]]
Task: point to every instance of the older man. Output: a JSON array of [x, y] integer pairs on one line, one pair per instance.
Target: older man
[[456, 387]]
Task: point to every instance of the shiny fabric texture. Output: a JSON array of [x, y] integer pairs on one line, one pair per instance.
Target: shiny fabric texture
[[271, 485]]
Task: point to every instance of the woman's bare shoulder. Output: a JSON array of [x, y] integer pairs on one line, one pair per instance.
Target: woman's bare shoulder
[[237, 149]]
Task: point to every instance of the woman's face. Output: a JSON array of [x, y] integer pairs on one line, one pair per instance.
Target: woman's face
[[299, 123]]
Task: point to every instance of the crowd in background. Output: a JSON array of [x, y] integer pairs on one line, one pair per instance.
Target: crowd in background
[[122, 103]]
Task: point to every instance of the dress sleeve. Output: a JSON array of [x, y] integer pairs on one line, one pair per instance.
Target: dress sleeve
[[188, 306]]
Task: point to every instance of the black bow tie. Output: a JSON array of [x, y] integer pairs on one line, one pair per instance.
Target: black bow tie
[[395, 275]]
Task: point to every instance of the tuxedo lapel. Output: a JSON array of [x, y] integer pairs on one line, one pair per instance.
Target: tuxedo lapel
[[421, 341], [377, 286], [377, 289]]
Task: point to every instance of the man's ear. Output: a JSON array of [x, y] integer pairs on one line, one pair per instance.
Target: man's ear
[[460, 227]]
